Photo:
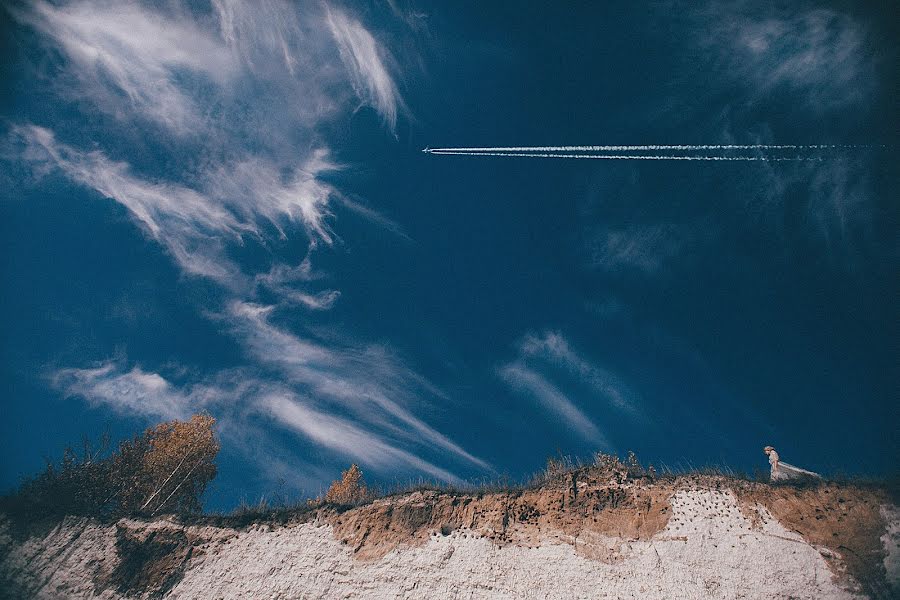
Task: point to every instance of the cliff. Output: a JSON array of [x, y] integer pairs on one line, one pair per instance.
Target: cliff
[[580, 536]]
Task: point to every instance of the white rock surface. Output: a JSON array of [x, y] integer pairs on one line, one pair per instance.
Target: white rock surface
[[59, 564], [891, 541], [708, 550]]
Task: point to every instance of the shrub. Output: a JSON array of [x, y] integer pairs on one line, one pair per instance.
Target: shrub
[[350, 489], [167, 468], [77, 485], [556, 468]]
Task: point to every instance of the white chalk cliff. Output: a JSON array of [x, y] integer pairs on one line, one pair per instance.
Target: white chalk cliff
[[700, 538]]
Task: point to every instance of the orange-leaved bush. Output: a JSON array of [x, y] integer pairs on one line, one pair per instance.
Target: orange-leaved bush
[[169, 467], [165, 469], [350, 489]]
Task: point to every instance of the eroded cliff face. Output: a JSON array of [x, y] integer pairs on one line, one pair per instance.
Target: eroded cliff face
[[578, 537]]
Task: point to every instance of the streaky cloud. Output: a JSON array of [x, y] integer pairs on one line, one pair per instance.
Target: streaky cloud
[[370, 382], [555, 348], [822, 55], [123, 52], [642, 248], [364, 59], [232, 395], [199, 89], [523, 379], [129, 392], [191, 227], [343, 436]]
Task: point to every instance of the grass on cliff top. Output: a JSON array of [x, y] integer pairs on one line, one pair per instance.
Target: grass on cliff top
[[351, 490]]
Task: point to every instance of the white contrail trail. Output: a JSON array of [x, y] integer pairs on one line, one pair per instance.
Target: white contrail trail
[[646, 147], [627, 156]]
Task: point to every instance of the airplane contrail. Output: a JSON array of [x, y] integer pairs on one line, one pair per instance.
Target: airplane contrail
[[640, 147], [707, 152], [448, 152]]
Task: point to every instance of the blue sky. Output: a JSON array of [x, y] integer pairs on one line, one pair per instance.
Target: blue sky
[[223, 207]]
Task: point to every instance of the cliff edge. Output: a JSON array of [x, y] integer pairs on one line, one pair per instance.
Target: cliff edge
[[579, 536]]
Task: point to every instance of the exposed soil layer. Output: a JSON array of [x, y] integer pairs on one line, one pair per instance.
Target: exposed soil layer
[[615, 523], [847, 520], [576, 504]]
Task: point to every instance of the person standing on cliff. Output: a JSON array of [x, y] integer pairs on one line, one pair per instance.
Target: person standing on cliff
[[773, 462], [780, 471]]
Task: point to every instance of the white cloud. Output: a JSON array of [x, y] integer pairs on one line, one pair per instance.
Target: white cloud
[[236, 101], [283, 281], [183, 72], [270, 344], [818, 54], [254, 125], [343, 436], [129, 392], [365, 60], [643, 248], [256, 190], [523, 379], [231, 396], [835, 200], [371, 383], [195, 226], [372, 216], [261, 31], [123, 53], [192, 227], [777, 69], [553, 347], [841, 205]]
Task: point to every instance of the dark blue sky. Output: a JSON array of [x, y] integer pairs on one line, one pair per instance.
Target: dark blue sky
[[224, 208]]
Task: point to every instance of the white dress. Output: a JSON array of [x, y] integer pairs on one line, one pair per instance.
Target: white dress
[[786, 471], [774, 473]]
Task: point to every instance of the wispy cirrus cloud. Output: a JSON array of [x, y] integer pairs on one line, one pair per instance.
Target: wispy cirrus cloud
[[134, 391], [189, 225], [365, 60], [820, 55], [196, 227], [525, 380], [343, 436], [553, 347], [642, 248], [369, 382], [235, 99], [123, 55], [794, 68], [260, 166], [570, 386]]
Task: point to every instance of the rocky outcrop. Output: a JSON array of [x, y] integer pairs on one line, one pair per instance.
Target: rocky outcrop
[[578, 537]]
